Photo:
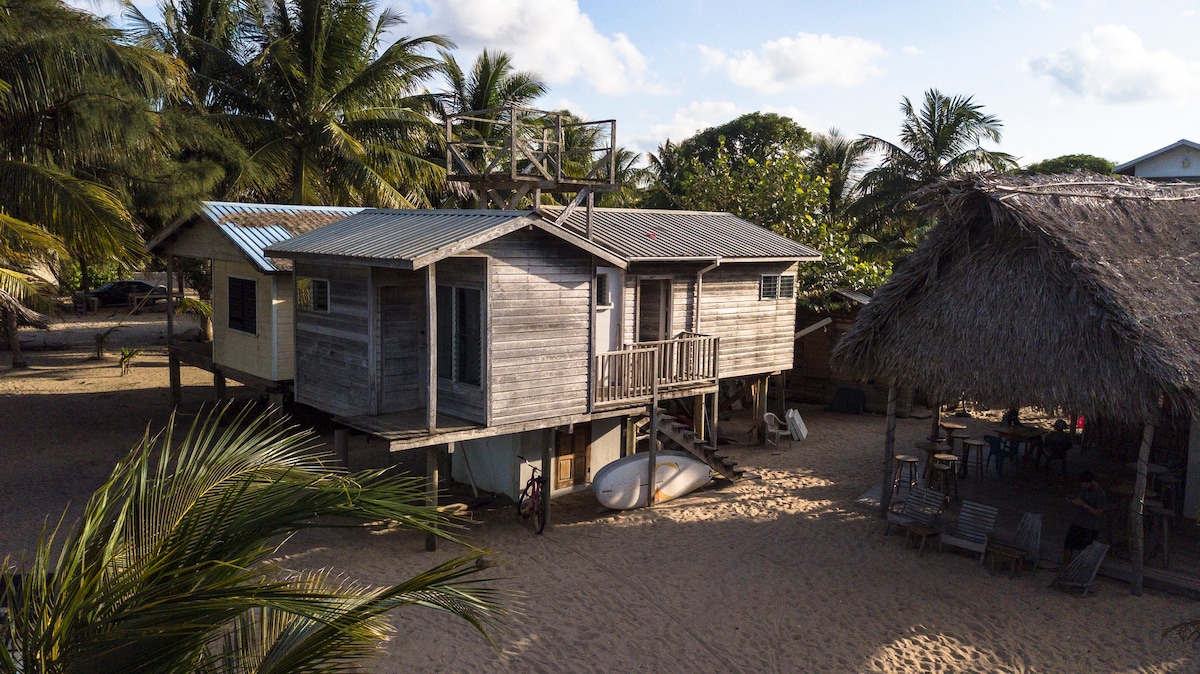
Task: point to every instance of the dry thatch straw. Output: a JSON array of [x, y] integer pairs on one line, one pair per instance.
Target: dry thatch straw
[[1079, 292]]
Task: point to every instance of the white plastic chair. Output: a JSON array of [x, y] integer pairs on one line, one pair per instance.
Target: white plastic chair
[[776, 429]]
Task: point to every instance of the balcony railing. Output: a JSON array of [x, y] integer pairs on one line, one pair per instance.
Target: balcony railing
[[640, 371]]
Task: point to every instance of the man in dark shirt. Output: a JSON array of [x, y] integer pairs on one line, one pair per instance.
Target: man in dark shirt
[[1089, 504]]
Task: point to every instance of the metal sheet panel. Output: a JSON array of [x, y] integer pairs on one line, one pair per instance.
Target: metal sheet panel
[[640, 234], [253, 227]]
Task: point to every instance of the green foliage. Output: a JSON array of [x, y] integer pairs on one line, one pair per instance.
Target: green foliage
[[940, 140], [781, 194], [1069, 163], [127, 356], [175, 564]]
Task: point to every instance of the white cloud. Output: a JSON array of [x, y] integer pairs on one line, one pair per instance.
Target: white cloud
[[1111, 64], [687, 121], [803, 61], [910, 50], [553, 38]]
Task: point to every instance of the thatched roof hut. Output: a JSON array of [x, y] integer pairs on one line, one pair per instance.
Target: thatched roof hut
[[1080, 292]]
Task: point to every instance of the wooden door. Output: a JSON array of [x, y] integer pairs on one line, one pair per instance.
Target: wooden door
[[572, 453], [654, 310]]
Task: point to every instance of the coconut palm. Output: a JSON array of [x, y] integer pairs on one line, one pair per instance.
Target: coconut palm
[[840, 161], [174, 566], [73, 100], [940, 140], [326, 116], [492, 83]]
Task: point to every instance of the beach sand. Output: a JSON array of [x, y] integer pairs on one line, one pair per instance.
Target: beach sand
[[782, 573]]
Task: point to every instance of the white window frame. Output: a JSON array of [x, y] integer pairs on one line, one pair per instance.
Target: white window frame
[[771, 286]]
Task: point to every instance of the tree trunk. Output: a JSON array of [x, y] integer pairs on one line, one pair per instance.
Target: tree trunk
[[1137, 507], [14, 339], [206, 328]]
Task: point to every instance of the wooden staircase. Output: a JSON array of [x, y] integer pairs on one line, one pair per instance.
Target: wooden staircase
[[682, 436]]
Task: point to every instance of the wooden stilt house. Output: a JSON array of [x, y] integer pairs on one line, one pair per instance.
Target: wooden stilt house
[[538, 333], [251, 294], [1076, 292]]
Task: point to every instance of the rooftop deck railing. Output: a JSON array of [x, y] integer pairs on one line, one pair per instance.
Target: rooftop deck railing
[[639, 371]]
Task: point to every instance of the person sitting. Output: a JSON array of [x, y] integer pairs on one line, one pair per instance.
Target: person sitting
[[1084, 527], [1055, 445]]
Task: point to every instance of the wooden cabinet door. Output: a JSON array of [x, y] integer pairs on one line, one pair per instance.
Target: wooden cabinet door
[[571, 457]]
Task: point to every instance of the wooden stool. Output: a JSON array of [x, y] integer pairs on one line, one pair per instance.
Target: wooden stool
[[945, 474], [905, 462], [957, 437], [1013, 556], [930, 449], [973, 445]]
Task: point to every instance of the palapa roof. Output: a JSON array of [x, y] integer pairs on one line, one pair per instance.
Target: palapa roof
[[253, 227], [1080, 292], [412, 239]]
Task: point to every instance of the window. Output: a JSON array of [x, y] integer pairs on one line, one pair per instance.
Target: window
[[603, 292], [312, 294], [460, 334], [777, 287], [243, 305]]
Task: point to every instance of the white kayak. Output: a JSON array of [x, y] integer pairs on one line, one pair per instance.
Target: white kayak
[[621, 485]]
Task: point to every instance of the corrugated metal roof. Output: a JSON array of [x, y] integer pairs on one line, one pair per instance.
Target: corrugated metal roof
[[253, 227], [637, 234], [406, 237]]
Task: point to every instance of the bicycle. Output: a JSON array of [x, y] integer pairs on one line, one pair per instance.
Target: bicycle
[[532, 501]]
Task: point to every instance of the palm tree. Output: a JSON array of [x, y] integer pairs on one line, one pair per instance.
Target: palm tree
[[173, 568], [327, 118], [941, 140], [73, 100], [492, 83], [840, 161]]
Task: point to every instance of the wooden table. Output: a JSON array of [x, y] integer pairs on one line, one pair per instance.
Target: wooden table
[[1018, 435], [1007, 553]]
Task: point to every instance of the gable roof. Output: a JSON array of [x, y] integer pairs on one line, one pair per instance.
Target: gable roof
[[1077, 291], [253, 227], [653, 235], [1128, 167], [412, 239]]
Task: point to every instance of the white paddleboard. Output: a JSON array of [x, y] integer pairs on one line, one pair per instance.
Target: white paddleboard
[[621, 485], [796, 425]]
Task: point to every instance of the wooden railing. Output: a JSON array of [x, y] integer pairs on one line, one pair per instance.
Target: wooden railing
[[641, 370]]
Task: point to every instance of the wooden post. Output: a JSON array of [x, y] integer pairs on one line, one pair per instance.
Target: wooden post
[[630, 437], [889, 453], [341, 446], [547, 466], [935, 430], [698, 417], [713, 419], [170, 301], [781, 395], [760, 409], [176, 384], [431, 491], [431, 342], [653, 446], [1137, 506], [219, 384]]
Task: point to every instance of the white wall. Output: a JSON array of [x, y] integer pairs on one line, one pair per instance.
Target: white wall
[[242, 351], [1182, 162]]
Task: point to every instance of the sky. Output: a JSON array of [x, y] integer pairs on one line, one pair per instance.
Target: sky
[[1117, 79]]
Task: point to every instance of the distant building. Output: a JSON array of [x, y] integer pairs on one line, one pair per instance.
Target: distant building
[[1178, 161]]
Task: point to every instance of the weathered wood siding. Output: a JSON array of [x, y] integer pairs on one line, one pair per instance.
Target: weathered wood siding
[[756, 335], [539, 327], [332, 348], [462, 400], [402, 350]]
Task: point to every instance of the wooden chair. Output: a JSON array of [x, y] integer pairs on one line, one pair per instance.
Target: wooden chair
[[776, 429], [974, 526], [1025, 547], [1081, 572], [918, 515]]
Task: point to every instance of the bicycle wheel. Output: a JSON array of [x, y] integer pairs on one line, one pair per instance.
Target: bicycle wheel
[[525, 501], [539, 510]]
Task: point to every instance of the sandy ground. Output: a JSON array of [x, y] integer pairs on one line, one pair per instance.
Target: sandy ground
[[777, 574]]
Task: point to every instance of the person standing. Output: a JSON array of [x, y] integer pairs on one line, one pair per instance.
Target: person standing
[[1084, 527]]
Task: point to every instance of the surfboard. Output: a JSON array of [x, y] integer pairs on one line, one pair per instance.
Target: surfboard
[[796, 425], [621, 485]]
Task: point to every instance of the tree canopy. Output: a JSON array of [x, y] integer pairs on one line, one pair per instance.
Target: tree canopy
[[1069, 163]]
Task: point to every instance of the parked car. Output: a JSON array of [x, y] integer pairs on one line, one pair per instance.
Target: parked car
[[118, 292]]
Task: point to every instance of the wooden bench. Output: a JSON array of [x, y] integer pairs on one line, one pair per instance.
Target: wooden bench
[[918, 515], [1081, 572], [974, 526]]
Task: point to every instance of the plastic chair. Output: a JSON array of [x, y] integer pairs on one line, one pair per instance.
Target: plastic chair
[[776, 429], [995, 449]]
